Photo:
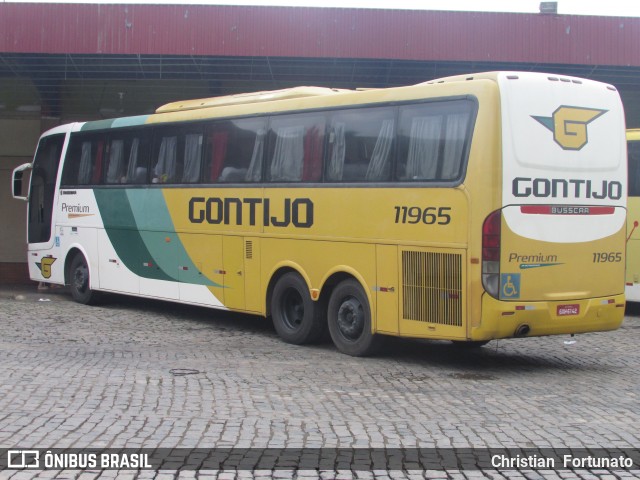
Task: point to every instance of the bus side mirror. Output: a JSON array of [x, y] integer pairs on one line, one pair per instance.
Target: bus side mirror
[[18, 173]]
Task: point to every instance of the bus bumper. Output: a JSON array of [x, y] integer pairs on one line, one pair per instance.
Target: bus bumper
[[502, 319]]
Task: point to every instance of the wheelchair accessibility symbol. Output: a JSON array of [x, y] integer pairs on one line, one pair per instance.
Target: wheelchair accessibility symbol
[[509, 285]]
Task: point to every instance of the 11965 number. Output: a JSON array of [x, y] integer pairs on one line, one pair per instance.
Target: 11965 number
[[428, 215], [607, 257]]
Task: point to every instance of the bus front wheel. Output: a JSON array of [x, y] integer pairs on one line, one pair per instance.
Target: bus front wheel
[[296, 317], [349, 317], [80, 281]]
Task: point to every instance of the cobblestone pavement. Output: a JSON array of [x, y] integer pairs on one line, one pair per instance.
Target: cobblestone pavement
[[137, 373]]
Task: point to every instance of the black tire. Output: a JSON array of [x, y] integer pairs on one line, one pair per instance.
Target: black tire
[[296, 317], [80, 282], [349, 317]]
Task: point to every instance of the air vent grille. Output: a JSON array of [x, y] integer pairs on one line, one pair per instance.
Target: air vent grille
[[432, 287]]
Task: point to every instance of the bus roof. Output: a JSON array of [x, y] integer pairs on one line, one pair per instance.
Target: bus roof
[[252, 97], [302, 98], [513, 75]]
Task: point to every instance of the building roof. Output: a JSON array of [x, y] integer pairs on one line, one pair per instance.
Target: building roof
[[242, 31], [114, 56]]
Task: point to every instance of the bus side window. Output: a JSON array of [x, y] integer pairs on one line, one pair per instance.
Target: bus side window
[[165, 168], [84, 161], [115, 162], [192, 161], [241, 154], [295, 148], [85, 172], [218, 140], [137, 150], [288, 154], [432, 140], [361, 145]]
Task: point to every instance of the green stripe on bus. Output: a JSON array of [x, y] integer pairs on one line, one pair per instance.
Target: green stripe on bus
[[157, 231], [139, 226], [130, 121], [122, 230], [115, 123], [97, 125]]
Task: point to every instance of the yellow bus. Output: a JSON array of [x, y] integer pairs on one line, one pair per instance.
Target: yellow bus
[[632, 290], [468, 209]]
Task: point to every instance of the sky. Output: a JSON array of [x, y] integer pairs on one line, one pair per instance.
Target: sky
[[624, 8]]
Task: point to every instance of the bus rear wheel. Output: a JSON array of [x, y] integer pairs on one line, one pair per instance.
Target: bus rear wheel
[[80, 281], [296, 317], [349, 317]]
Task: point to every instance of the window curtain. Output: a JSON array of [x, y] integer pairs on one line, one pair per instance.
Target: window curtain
[[192, 157], [97, 170], [133, 162], [288, 154], [312, 168], [165, 169], [336, 162], [456, 132], [424, 142], [84, 172], [254, 173], [379, 162], [219, 141], [114, 171]]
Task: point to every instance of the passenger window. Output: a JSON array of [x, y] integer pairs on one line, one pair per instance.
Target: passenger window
[[235, 152], [295, 148], [165, 169], [433, 140], [116, 167], [177, 156], [361, 145], [127, 159], [84, 161]]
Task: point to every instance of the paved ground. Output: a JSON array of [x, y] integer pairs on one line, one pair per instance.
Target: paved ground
[[135, 373]]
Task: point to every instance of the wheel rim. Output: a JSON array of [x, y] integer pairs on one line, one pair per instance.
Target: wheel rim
[[292, 309], [351, 319], [81, 278]]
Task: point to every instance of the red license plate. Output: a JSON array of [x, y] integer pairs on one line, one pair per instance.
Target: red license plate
[[564, 310]]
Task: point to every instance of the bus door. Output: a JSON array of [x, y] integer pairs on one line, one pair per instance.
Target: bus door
[[42, 190], [241, 267]]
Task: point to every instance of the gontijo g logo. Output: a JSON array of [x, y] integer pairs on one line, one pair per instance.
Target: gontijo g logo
[[569, 125], [45, 266]]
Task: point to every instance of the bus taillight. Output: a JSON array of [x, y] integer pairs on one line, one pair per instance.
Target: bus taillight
[[491, 253]]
